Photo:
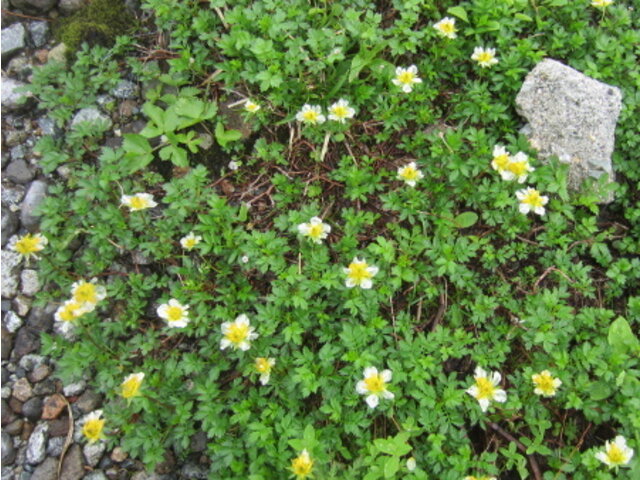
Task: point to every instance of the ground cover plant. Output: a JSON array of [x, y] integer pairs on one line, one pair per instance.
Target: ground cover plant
[[370, 274]]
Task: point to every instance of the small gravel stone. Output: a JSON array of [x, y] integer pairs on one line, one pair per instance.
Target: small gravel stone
[[58, 54], [70, 6], [88, 401], [18, 171], [31, 361], [93, 452], [30, 282], [37, 446], [19, 152], [59, 427], [5, 392], [10, 224], [22, 390], [32, 409], [91, 115], [48, 126], [194, 471], [12, 322], [72, 468], [15, 427], [32, 200], [21, 305], [47, 470], [7, 415], [41, 318], [45, 387], [39, 373], [95, 475], [55, 446], [74, 389], [26, 341], [8, 450], [118, 455], [12, 39], [53, 406], [125, 90], [12, 196], [39, 32], [10, 261]]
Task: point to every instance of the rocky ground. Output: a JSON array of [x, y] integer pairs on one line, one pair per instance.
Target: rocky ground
[[38, 410]]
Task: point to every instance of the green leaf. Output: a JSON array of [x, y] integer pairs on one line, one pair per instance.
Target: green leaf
[[465, 219], [225, 136], [522, 16], [391, 467], [458, 12], [621, 338]]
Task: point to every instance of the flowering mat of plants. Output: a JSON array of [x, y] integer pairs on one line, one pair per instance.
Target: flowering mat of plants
[[325, 245]]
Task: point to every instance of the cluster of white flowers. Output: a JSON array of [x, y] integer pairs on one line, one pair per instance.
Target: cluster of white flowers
[[339, 111], [85, 297]]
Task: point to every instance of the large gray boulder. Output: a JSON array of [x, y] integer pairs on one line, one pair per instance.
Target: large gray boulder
[[11, 99], [571, 116], [32, 200], [13, 39]]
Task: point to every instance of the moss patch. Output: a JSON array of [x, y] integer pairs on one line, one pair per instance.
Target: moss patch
[[98, 23]]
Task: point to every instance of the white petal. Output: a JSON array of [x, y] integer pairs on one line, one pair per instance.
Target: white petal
[[303, 228], [495, 378], [407, 88], [370, 371], [524, 208], [264, 378], [473, 391], [479, 372], [500, 396], [224, 343], [540, 211], [366, 283], [242, 319], [372, 401], [484, 404], [361, 388], [413, 69], [386, 375], [388, 395], [350, 283], [162, 310], [603, 457], [373, 270]]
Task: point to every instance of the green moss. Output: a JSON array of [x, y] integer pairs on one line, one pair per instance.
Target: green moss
[[98, 23]]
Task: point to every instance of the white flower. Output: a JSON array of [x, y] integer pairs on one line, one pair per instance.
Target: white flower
[[310, 114], [517, 168], [238, 334], [411, 464], [406, 78], [341, 111], [374, 386], [244, 259], [601, 3], [486, 57], [485, 389], [28, 245], [545, 384], [176, 315], [315, 229], [251, 107], [88, 294], [233, 165], [70, 311], [139, 201], [500, 158], [446, 27], [263, 367], [359, 273], [410, 174], [615, 453], [190, 241], [530, 199]]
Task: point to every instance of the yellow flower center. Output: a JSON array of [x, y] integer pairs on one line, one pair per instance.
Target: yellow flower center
[[502, 161], [409, 173], [616, 455], [310, 116], [375, 383], [544, 382], [174, 313], [237, 333], [190, 242], [92, 429], [485, 388], [262, 365], [28, 245], [340, 111], [130, 387], [68, 313], [485, 57], [518, 168], [533, 198], [447, 27], [86, 293], [358, 272], [138, 203], [252, 107], [301, 466], [315, 230], [406, 77]]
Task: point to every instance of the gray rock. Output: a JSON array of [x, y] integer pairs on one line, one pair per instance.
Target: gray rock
[[37, 446], [32, 200], [12, 39], [48, 126], [39, 32], [45, 387], [34, 6], [58, 54], [571, 116], [74, 389], [91, 115], [12, 322], [5, 392], [30, 282], [32, 409], [20, 67], [31, 361], [194, 471], [12, 100], [14, 137], [93, 452], [12, 196], [95, 475], [39, 373], [88, 401], [40, 319], [18, 171], [9, 263], [21, 305], [22, 390], [55, 446], [8, 451], [125, 89], [72, 468], [70, 6], [19, 152], [26, 341], [9, 225], [47, 470], [6, 339], [105, 102]]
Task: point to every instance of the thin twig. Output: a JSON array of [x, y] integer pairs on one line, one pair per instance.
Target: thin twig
[[547, 272], [68, 441], [532, 461], [7, 12]]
